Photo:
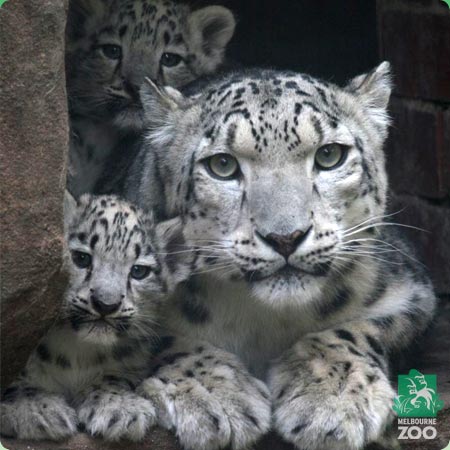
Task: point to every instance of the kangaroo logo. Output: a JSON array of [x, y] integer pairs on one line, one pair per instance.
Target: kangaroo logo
[[417, 396]]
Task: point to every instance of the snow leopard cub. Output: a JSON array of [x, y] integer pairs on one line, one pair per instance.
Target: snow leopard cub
[[84, 371], [111, 46]]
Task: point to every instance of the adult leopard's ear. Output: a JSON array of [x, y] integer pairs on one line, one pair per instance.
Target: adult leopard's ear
[[374, 87], [161, 104], [211, 28], [374, 90], [178, 258]]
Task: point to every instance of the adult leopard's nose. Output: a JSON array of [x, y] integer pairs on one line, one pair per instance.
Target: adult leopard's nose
[[285, 244]]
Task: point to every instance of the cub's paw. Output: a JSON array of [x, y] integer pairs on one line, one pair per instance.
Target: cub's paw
[[209, 400], [28, 413], [329, 400], [116, 415]]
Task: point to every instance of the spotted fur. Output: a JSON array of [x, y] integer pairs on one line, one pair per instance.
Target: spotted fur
[[111, 46], [83, 373], [306, 281]]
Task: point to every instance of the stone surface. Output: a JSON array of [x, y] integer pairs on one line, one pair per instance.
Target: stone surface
[[420, 53], [33, 139], [416, 149]]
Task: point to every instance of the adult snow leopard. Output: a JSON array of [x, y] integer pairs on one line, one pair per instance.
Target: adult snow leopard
[[281, 183], [111, 46], [85, 369]]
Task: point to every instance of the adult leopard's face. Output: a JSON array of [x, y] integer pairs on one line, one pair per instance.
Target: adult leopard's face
[[113, 45], [118, 272], [273, 172]]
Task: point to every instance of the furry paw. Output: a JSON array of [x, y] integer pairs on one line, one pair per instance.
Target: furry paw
[[329, 398], [116, 415], [209, 400], [27, 413]]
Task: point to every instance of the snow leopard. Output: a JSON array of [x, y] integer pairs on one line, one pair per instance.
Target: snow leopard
[[111, 46], [84, 372], [281, 184]]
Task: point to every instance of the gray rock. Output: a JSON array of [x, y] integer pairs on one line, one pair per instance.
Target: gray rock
[[33, 140]]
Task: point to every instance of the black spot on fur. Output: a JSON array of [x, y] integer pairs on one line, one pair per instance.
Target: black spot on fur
[[11, 394], [251, 418], [298, 428], [122, 30], [383, 322], [43, 353], [215, 421], [354, 351], [170, 359], [337, 302], [114, 419], [173, 247], [192, 308], [30, 392], [346, 335], [63, 362], [371, 378], [164, 343], [374, 344], [94, 241]]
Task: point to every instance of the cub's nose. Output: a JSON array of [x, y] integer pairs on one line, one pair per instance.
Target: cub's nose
[[285, 244], [104, 308]]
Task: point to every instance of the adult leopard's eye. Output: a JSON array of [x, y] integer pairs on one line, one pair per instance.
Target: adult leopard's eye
[[170, 59], [223, 166], [330, 156], [112, 51], [81, 259], [139, 272]]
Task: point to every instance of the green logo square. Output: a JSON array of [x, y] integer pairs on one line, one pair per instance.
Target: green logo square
[[417, 395]]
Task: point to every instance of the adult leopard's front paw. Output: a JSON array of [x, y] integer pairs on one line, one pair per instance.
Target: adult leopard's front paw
[[28, 413], [329, 398], [116, 415], [209, 403]]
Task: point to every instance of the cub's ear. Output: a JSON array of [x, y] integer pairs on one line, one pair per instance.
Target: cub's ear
[[81, 14], [73, 207], [211, 29], [374, 90], [161, 105], [177, 257], [374, 87], [69, 209]]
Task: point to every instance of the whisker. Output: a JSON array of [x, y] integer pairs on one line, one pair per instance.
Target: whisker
[[383, 216], [385, 224]]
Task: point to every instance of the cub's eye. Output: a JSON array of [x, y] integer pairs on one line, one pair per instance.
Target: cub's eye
[[112, 51], [139, 272], [81, 259], [170, 59], [222, 166], [330, 156]]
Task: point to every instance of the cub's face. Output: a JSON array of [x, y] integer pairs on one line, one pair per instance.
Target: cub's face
[[118, 269], [113, 45], [280, 174]]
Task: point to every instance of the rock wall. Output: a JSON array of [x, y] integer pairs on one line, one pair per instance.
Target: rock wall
[[33, 140], [415, 37]]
